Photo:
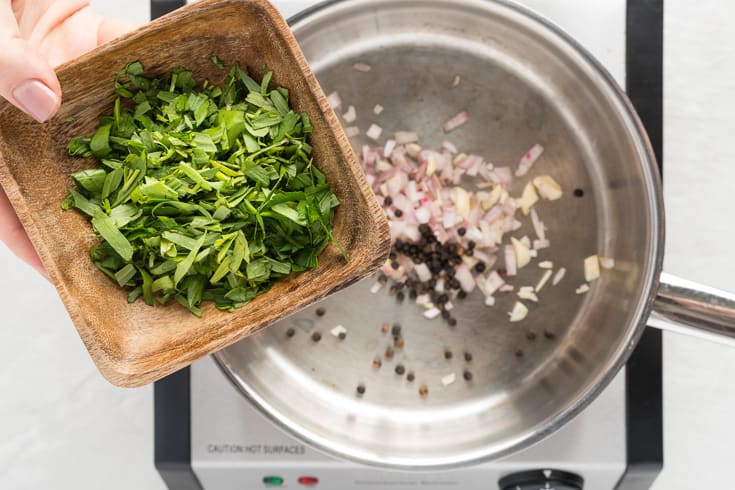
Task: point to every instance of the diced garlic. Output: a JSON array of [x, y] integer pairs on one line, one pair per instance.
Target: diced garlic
[[546, 264], [583, 288], [377, 287], [591, 268], [506, 288], [352, 131], [489, 301], [547, 187], [456, 80], [377, 109], [519, 312], [528, 198], [523, 257], [542, 282], [448, 306], [423, 299], [449, 379], [432, 313], [339, 329]]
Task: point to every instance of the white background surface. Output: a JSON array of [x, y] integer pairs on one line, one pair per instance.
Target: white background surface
[[63, 427]]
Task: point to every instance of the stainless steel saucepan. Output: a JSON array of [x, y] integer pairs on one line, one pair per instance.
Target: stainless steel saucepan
[[522, 81]]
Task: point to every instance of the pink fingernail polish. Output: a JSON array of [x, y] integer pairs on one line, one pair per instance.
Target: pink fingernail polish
[[36, 99]]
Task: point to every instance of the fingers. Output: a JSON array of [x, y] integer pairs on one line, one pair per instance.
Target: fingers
[[111, 29], [15, 237], [26, 78]]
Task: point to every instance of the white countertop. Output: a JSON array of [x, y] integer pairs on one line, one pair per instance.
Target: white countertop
[[62, 426]]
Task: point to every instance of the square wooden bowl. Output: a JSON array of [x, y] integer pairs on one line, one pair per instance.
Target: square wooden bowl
[[135, 344]]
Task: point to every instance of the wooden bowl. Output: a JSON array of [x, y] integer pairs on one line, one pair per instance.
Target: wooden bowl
[[135, 344]]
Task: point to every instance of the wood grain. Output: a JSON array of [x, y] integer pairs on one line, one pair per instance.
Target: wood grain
[[136, 344]]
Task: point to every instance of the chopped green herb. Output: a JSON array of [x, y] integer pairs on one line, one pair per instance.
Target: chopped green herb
[[69, 120], [204, 193]]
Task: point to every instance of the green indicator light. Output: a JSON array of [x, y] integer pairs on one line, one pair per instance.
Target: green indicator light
[[272, 481]]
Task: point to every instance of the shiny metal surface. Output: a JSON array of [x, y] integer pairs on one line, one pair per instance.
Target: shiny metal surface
[[687, 307], [523, 81]]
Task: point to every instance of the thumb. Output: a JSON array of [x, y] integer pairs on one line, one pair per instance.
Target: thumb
[[27, 80]]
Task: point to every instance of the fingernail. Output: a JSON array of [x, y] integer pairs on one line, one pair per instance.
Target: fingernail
[[36, 99]]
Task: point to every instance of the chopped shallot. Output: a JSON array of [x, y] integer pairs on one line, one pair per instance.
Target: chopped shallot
[[377, 109], [449, 379], [583, 288], [388, 148], [506, 288], [404, 137], [510, 260], [455, 122], [538, 225], [335, 101], [529, 158], [546, 264], [350, 116], [352, 131], [374, 132], [362, 67], [456, 80], [558, 276]]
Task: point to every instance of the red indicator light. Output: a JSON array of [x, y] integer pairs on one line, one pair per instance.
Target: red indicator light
[[308, 481]]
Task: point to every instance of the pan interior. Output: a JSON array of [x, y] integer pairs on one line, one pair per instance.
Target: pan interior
[[521, 84]]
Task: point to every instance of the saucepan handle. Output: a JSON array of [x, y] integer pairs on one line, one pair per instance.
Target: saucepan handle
[[694, 309]]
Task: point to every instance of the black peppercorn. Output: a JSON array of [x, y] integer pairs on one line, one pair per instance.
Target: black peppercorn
[[395, 330], [461, 231], [290, 332], [400, 369], [400, 296], [392, 256], [549, 334], [452, 322], [398, 213], [447, 354], [445, 314], [462, 294], [531, 335], [388, 201], [471, 244], [316, 336], [467, 376], [410, 376], [578, 192], [320, 311], [468, 357], [360, 389], [480, 267]]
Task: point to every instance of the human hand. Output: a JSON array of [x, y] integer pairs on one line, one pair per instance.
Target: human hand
[[35, 37]]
